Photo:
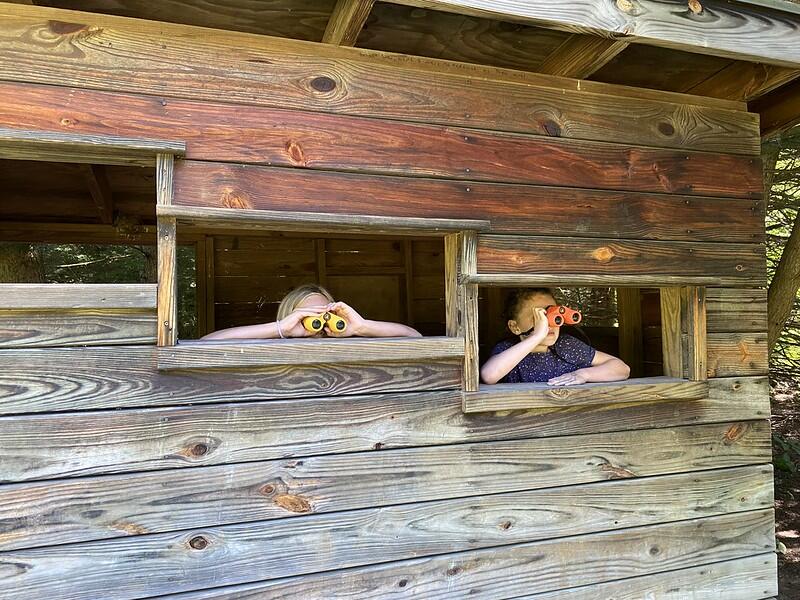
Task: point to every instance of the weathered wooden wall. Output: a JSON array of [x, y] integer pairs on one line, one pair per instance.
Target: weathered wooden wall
[[368, 480]]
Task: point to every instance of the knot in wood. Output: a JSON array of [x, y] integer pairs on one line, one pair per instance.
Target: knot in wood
[[666, 128], [695, 7], [323, 84], [65, 27], [199, 542], [453, 571], [626, 6], [292, 503], [604, 254], [233, 199], [736, 432], [296, 154], [200, 449]]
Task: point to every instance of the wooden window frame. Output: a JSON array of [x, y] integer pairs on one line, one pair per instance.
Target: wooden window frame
[[683, 326]]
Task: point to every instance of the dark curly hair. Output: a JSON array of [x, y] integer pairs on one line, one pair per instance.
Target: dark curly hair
[[519, 296]]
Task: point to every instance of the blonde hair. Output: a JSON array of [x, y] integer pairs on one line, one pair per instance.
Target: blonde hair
[[297, 295]]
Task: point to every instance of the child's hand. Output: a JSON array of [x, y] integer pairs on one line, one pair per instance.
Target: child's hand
[[356, 324], [292, 325], [540, 325], [574, 378]]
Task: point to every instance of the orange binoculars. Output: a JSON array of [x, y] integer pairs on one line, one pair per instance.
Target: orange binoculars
[[317, 322], [558, 315]]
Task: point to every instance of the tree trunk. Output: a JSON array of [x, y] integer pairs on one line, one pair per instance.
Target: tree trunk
[[784, 286], [20, 263]]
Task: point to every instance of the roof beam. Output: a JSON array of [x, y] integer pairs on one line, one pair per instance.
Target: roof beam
[[97, 181], [579, 56], [744, 82], [346, 22], [743, 30], [779, 110]]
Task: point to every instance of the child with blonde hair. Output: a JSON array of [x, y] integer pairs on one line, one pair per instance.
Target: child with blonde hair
[[310, 300]]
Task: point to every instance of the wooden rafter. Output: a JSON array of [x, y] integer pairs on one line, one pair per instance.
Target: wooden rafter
[[743, 81], [779, 110], [742, 30], [346, 22], [100, 190], [581, 55]]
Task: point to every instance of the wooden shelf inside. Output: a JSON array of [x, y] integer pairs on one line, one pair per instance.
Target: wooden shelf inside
[[261, 353], [523, 396]]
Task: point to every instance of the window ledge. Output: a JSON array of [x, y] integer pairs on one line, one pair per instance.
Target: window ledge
[[518, 396], [261, 353]]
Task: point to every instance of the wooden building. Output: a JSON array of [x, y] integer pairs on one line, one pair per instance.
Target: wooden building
[[419, 157]]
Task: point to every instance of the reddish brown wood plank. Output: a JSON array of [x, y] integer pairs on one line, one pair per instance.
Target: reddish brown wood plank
[[215, 131], [559, 211], [159, 58], [734, 264]]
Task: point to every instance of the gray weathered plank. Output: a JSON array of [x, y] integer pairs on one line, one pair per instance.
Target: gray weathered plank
[[78, 295], [58, 512], [299, 351], [68, 379], [83, 327], [514, 396], [152, 565], [58, 146], [738, 579], [69, 445]]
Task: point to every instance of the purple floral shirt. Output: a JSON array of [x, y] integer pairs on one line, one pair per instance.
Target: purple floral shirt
[[566, 355]]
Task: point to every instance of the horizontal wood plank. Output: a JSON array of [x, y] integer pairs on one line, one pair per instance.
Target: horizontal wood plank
[[69, 445], [84, 327], [55, 512], [287, 138], [737, 354], [147, 565], [732, 310], [712, 27], [560, 211], [58, 146], [510, 396], [260, 70], [315, 222], [70, 379], [78, 295], [263, 353], [668, 262], [738, 579], [580, 280]]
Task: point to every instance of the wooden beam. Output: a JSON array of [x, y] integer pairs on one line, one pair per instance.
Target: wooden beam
[[469, 266], [100, 190], [744, 81], [77, 148], [515, 396], [629, 310], [73, 296], [671, 337], [580, 56], [779, 110], [263, 353], [67, 233], [346, 22], [314, 222], [695, 316], [167, 282], [715, 27]]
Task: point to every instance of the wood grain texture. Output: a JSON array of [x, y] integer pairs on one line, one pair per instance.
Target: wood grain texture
[[346, 21], [81, 327], [58, 146], [289, 73], [581, 55], [255, 134], [778, 110], [69, 379], [242, 553], [711, 27], [737, 354], [233, 217], [534, 396], [71, 445], [100, 190], [78, 295], [629, 317], [697, 356], [745, 81], [736, 264], [731, 310], [671, 338], [560, 211], [584, 280], [43, 514], [264, 353], [167, 282], [738, 579]]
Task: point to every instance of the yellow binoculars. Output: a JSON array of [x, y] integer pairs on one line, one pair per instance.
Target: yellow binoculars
[[317, 322]]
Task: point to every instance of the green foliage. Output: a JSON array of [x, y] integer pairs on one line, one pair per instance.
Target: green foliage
[[786, 453]]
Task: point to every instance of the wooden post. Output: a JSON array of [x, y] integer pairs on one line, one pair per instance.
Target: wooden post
[[452, 297], [469, 266], [671, 331], [167, 247], [695, 303], [629, 309]]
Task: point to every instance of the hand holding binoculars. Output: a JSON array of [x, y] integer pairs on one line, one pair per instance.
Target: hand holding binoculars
[[558, 315], [317, 322]]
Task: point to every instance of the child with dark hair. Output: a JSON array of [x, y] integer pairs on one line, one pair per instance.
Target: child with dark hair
[[542, 354]]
